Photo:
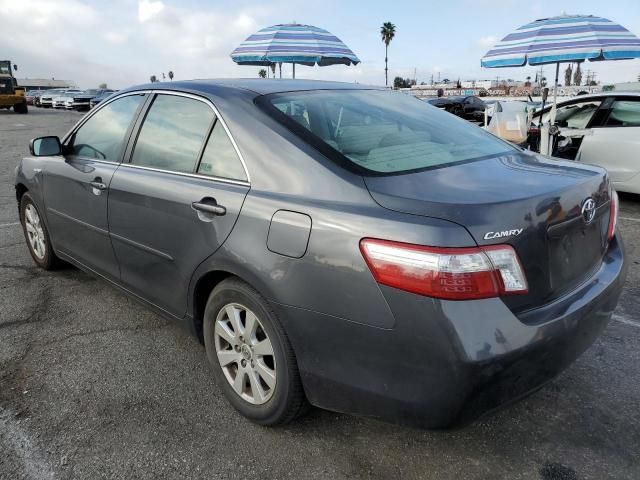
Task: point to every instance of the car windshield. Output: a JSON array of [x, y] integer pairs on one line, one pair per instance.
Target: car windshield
[[384, 132]]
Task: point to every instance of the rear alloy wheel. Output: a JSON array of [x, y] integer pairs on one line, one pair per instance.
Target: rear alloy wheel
[[35, 232], [251, 356], [245, 353]]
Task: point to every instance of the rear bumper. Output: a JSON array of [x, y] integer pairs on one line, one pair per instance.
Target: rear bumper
[[447, 362]]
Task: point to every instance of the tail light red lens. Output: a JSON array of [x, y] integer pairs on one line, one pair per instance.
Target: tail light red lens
[[448, 273], [613, 215]]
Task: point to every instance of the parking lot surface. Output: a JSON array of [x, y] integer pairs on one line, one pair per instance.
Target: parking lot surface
[[93, 385]]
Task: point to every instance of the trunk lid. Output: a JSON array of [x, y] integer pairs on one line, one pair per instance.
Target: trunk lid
[[520, 199]]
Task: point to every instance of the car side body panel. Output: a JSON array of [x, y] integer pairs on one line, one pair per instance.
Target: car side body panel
[[159, 238]]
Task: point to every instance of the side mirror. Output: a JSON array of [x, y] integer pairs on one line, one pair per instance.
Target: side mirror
[[45, 146]]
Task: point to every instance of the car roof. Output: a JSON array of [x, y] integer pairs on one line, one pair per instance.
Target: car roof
[[589, 96], [612, 93], [259, 86]]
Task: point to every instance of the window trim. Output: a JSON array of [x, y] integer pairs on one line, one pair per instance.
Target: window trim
[[217, 118]]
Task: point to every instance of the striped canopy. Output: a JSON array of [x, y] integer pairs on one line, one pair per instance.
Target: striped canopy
[[293, 43], [568, 38]]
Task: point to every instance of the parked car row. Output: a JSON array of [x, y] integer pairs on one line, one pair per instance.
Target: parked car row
[[67, 98]]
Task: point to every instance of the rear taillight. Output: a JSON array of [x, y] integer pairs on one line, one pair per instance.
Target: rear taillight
[[613, 215], [449, 273]]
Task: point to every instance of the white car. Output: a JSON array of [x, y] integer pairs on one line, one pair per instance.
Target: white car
[[601, 129], [49, 99]]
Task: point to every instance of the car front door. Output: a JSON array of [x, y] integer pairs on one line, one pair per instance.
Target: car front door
[[177, 199], [76, 186], [615, 144]]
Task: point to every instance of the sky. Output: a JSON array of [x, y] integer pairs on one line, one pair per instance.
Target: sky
[[124, 42]]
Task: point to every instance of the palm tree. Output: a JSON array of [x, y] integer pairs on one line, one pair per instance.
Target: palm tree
[[170, 74], [387, 32]]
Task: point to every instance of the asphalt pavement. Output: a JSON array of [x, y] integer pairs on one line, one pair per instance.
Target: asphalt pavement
[[93, 385]]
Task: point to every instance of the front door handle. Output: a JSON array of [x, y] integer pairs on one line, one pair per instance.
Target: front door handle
[[97, 183], [209, 205]]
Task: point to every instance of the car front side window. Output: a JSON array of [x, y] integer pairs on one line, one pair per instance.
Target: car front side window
[[173, 133], [102, 136], [575, 115]]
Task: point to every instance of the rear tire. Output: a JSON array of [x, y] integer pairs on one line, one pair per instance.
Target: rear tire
[[241, 330], [36, 235]]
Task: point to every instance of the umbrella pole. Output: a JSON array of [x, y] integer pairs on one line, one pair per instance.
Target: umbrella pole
[[555, 85], [552, 113], [294, 69]]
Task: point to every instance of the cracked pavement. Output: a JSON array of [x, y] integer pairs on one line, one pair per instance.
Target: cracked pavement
[[93, 385]]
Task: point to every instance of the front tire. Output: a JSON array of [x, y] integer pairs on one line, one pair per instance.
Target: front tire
[[251, 356], [21, 108], [36, 235]]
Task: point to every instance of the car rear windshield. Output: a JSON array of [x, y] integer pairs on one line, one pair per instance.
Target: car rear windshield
[[383, 132]]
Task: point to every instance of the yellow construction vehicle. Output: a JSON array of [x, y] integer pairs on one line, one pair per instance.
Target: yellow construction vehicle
[[11, 95]]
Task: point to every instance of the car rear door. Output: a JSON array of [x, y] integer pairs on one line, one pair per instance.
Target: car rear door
[[176, 200], [615, 143], [76, 186]]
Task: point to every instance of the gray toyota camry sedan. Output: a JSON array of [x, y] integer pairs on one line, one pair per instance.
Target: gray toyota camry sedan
[[331, 244]]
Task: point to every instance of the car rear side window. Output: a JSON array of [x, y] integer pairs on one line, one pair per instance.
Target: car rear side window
[[384, 132], [220, 158], [624, 113], [173, 133], [102, 136]]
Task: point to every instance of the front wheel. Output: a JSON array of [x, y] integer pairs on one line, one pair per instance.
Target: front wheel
[[35, 232], [21, 108], [251, 356]]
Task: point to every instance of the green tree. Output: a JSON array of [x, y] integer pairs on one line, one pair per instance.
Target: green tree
[[153, 79], [102, 85], [387, 32], [400, 82], [170, 75], [577, 75], [262, 73]]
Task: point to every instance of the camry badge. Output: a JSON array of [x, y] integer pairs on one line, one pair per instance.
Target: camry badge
[[588, 210], [502, 234]]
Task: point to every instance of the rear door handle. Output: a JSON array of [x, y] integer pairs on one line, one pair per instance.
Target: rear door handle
[[210, 207]]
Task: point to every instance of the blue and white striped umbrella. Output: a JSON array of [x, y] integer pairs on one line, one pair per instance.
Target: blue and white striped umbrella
[[293, 43], [568, 38]]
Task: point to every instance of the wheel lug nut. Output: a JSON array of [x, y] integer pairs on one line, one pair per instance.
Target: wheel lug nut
[[237, 348], [243, 363]]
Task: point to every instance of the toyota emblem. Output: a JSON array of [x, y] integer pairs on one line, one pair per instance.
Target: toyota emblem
[[588, 210]]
